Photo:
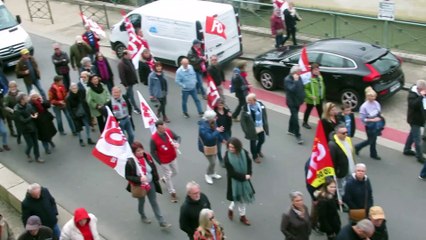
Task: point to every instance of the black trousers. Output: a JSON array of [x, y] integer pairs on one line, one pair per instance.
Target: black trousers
[[308, 110]]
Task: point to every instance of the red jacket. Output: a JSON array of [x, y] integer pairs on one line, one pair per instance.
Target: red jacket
[[57, 93], [166, 152], [276, 24], [219, 233], [86, 39]]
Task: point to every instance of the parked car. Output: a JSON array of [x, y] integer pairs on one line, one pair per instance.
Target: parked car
[[347, 66]]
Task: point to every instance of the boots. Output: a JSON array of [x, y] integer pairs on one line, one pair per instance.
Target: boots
[[230, 214], [166, 119], [244, 220]]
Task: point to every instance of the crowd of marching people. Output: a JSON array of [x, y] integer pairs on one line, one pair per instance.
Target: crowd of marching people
[[84, 105]]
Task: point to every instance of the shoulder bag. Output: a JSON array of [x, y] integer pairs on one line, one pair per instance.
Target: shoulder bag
[[209, 151]]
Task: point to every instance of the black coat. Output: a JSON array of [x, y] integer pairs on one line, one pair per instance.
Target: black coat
[[355, 191], [341, 119], [144, 70], [295, 91], [190, 214], [217, 74], [415, 111], [44, 207], [239, 85], [46, 129], [294, 227], [132, 176], [195, 60], [248, 122], [329, 127], [339, 158], [73, 100], [290, 20], [380, 233], [328, 215], [24, 122], [127, 72], [231, 173]]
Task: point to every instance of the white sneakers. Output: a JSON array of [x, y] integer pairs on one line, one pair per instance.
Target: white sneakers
[[209, 178]]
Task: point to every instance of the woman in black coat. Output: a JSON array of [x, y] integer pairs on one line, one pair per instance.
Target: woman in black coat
[[79, 111], [44, 122], [328, 215], [295, 224], [239, 172], [146, 177], [146, 65]]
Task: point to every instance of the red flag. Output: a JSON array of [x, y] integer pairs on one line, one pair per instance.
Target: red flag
[[112, 147], [136, 44], [215, 27], [148, 116], [320, 164], [305, 66], [94, 26], [212, 93]]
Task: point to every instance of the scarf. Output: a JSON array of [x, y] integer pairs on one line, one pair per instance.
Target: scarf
[[241, 191], [257, 111], [347, 148], [202, 64], [299, 213], [38, 105], [163, 83], [85, 231], [97, 89], [103, 70], [150, 62]]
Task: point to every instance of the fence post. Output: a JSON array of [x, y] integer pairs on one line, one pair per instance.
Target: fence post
[[334, 25], [50, 11], [386, 33], [106, 16], [29, 10]]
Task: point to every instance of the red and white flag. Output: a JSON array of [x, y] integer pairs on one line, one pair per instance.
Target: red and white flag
[[320, 164], [212, 93], [112, 148], [215, 27], [135, 43], [148, 116], [94, 26], [305, 67]]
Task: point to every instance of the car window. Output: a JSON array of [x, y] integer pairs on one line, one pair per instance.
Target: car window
[[384, 63], [334, 61], [135, 19], [312, 56]]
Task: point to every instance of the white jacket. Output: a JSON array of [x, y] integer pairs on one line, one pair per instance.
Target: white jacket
[[71, 232]]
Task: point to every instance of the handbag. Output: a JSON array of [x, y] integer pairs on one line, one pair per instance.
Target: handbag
[[209, 151], [137, 191], [356, 215]]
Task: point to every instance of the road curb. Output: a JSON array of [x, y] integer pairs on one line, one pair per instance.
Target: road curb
[[13, 190]]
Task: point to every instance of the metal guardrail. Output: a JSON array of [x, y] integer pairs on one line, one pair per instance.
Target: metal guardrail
[[39, 9], [401, 35], [96, 12]]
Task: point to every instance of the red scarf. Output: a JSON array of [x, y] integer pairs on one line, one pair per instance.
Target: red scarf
[[142, 163], [202, 64], [79, 214], [38, 105]]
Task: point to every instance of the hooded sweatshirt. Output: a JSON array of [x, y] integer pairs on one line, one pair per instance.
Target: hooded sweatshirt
[[81, 214]]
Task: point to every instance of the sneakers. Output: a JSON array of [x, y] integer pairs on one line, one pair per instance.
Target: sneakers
[[409, 153], [299, 140], [173, 198], [216, 176], [185, 115], [258, 160], [209, 179], [376, 157], [40, 160], [290, 133], [165, 225], [200, 114], [422, 178], [306, 125], [146, 220], [29, 158]]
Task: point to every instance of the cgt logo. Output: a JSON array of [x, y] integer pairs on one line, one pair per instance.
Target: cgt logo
[[215, 27]]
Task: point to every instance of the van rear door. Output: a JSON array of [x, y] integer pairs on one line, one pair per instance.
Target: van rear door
[[225, 44]]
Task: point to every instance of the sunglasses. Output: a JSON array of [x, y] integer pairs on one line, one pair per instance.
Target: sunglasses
[[344, 133]]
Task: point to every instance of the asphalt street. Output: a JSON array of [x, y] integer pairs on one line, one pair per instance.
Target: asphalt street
[[77, 179]]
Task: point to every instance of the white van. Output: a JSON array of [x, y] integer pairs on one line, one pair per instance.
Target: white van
[[13, 38], [171, 26]]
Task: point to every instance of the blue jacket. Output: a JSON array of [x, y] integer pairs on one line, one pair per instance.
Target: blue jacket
[[355, 191], [209, 136], [154, 85], [186, 78], [295, 91]]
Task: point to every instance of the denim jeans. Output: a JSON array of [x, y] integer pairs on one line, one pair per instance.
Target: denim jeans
[[130, 94], [423, 171], [126, 126], [152, 198], [225, 136], [86, 124], [58, 115], [32, 143], [414, 137], [56, 231], [38, 86], [256, 145], [279, 39], [293, 124], [372, 134], [194, 96], [3, 132], [199, 85]]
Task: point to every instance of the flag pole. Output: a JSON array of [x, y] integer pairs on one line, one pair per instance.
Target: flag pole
[[173, 142], [339, 198]]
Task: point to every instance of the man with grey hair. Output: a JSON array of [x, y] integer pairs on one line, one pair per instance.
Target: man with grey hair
[[39, 202], [358, 191], [364, 229], [295, 95], [190, 210], [416, 118]]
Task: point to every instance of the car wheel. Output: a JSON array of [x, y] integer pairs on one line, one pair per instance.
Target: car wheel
[[267, 80], [119, 49], [351, 97]]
